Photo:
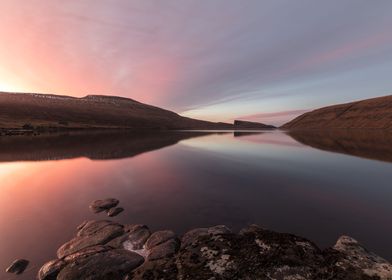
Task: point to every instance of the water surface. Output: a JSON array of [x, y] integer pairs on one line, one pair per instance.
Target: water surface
[[318, 186]]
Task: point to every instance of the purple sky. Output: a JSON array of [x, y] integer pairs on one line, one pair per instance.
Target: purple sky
[[219, 60]]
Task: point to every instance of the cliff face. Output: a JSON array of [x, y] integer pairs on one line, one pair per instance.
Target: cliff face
[[93, 111], [375, 113], [251, 125]]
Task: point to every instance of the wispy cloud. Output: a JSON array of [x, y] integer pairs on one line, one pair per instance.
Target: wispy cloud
[[199, 56]]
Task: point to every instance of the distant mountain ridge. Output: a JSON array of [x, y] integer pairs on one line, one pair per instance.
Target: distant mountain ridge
[[239, 124], [374, 113]]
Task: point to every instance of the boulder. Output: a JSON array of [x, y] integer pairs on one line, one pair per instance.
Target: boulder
[[51, 269], [102, 205], [115, 211], [86, 252], [134, 238], [355, 255], [18, 266], [92, 234], [109, 265], [159, 237], [91, 227], [192, 235], [164, 250]]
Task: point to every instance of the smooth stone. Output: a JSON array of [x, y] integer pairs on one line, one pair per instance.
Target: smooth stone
[[137, 236], [99, 237], [79, 227], [355, 255], [102, 205], [192, 235], [113, 264], [51, 269], [86, 252], [219, 229], [134, 238], [159, 237], [251, 229], [115, 211], [164, 250], [117, 243], [18, 266], [91, 227]]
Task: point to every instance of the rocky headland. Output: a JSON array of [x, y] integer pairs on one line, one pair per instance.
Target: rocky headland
[[374, 113]]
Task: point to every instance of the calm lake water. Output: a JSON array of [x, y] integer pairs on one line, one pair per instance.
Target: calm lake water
[[319, 186]]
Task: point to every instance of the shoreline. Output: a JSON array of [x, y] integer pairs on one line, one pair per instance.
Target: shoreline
[[103, 249]]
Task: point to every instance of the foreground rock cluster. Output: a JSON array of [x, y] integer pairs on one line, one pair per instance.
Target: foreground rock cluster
[[108, 250]]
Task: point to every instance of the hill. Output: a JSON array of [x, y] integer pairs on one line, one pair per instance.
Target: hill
[[375, 113], [251, 125], [45, 111]]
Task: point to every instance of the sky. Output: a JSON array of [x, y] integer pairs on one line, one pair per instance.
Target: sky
[[219, 60]]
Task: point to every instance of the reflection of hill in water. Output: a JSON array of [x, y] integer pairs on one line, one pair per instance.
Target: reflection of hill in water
[[97, 145], [372, 144], [246, 133]]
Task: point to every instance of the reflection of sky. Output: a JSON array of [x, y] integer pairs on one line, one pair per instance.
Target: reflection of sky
[[265, 178], [217, 61]]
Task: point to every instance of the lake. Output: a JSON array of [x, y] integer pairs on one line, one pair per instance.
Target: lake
[[317, 185]]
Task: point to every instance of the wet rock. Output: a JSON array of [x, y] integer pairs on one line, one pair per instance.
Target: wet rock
[[102, 205], [137, 236], [254, 254], [115, 211], [51, 269], [251, 229], [91, 227], [92, 234], [162, 269], [118, 242], [159, 237], [208, 253], [86, 252], [355, 255], [192, 235], [164, 250], [109, 265], [79, 227], [219, 229], [18, 266]]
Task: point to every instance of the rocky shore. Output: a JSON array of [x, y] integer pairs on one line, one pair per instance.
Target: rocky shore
[[108, 250]]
